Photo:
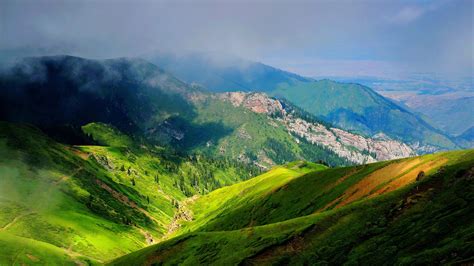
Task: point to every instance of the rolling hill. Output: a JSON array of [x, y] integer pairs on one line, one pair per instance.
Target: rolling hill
[[347, 105], [409, 211], [64, 204], [70, 203]]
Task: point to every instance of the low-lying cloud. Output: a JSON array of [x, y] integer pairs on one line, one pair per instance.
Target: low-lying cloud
[[419, 35]]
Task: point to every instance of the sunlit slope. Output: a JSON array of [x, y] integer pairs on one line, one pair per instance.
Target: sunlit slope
[[285, 193], [223, 204], [64, 203], [393, 219], [45, 190]]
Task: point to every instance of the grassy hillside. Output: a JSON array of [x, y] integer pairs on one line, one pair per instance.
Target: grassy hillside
[[71, 203], [252, 137], [408, 211]]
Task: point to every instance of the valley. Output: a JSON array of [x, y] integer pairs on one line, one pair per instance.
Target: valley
[[242, 132], [118, 162]]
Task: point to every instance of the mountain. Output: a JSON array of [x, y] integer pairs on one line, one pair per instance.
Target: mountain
[[441, 110], [223, 73], [54, 90], [349, 106], [466, 138], [306, 129], [102, 159], [438, 98], [61, 94], [408, 211]]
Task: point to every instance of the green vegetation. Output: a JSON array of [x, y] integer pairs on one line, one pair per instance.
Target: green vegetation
[[73, 203], [381, 213], [142, 104], [347, 105], [124, 186], [253, 137], [358, 108]]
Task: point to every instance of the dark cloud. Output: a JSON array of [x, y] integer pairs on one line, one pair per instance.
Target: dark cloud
[[415, 35]]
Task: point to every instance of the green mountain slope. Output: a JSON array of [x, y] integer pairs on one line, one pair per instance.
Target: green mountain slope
[[60, 94], [71, 203], [356, 107], [349, 106], [408, 211]]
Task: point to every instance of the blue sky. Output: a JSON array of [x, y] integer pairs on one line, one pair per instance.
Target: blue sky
[[376, 37]]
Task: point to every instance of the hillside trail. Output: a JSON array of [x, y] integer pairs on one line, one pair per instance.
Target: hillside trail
[[183, 213], [5, 227], [66, 177], [148, 237]]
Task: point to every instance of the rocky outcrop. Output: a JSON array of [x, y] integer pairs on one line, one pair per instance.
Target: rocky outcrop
[[355, 148]]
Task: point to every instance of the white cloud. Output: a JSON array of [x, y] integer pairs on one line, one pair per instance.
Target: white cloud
[[408, 14]]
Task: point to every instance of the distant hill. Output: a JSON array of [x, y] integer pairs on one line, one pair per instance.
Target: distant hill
[[349, 106], [409, 211], [439, 99], [466, 138], [224, 73], [61, 94]]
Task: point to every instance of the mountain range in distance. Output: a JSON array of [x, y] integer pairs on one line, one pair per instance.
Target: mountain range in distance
[[168, 160], [348, 105], [438, 99], [138, 98]]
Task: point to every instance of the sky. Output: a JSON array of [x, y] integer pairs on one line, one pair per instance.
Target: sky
[[311, 38]]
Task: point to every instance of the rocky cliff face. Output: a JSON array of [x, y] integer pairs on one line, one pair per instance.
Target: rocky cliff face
[[355, 148]]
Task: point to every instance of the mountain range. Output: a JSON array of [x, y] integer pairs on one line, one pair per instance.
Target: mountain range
[[121, 162], [348, 105], [141, 100]]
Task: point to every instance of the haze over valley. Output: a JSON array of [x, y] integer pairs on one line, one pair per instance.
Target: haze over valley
[[236, 132]]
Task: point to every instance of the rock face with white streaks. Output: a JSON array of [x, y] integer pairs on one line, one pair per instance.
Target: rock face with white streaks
[[355, 148]]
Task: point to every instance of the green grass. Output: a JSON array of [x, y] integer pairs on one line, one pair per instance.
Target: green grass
[[82, 199], [422, 222], [18, 250], [63, 204], [106, 135]]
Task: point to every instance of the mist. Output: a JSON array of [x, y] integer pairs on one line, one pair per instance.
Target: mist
[[308, 37]]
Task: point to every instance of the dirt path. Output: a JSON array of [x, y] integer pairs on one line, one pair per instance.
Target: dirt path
[[148, 237], [14, 220], [66, 177]]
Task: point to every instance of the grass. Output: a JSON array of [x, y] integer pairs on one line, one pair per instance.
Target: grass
[[425, 221], [67, 204], [80, 200]]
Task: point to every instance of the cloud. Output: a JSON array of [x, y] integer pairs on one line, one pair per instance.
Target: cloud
[[421, 34], [408, 14]]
